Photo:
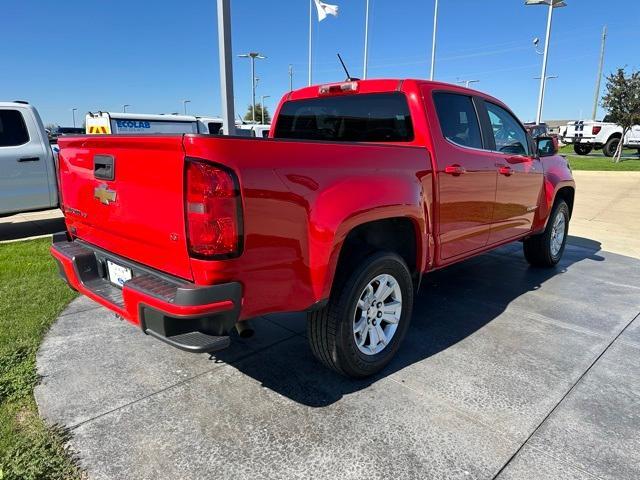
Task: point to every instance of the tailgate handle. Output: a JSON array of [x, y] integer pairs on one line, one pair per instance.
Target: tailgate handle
[[104, 167]]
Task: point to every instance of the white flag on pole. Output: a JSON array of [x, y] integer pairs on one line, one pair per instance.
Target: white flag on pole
[[325, 9]]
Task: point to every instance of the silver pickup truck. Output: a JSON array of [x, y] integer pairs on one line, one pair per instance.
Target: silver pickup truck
[[27, 164]]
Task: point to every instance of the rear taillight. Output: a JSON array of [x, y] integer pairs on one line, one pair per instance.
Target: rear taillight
[[213, 211], [596, 129]]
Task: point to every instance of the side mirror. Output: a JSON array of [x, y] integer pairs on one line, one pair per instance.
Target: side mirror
[[547, 146]]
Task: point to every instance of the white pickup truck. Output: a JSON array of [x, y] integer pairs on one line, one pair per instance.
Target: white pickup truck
[[28, 179], [588, 135]]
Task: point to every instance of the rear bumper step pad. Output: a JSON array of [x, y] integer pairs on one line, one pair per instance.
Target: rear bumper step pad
[[194, 342], [187, 316]]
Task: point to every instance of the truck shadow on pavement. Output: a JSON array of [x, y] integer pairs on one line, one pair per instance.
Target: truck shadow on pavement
[[453, 303]]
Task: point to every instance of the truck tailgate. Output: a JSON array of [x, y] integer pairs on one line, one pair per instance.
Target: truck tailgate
[[138, 214]]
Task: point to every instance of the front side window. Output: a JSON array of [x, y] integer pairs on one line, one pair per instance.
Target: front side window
[[509, 135], [13, 130], [375, 117], [458, 119]]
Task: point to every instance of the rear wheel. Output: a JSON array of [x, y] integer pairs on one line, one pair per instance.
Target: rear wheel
[[360, 330], [546, 249], [610, 147], [582, 148]]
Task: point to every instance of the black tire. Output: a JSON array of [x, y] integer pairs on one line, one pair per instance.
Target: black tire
[[610, 147], [537, 249], [330, 329], [582, 148]]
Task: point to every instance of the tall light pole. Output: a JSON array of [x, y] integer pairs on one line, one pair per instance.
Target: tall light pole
[[597, 94], [433, 40], [262, 97], [184, 104], [548, 77], [124, 107], [310, 39], [226, 67], [467, 82], [252, 56], [73, 113], [290, 78], [366, 42], [551, 4]]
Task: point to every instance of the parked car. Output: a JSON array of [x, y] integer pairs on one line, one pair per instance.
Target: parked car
[[54, 133], [588, 135], [536, 129], [27, 165], [256, 130], [362, 187]]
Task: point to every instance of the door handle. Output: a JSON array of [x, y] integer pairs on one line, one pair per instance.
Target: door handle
[[504, 170], [455, 170], [29, 159]]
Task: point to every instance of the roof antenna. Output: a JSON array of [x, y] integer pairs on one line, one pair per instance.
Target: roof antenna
[[349, 77]]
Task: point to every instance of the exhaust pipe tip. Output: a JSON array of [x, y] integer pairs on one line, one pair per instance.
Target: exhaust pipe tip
[[244, 329]]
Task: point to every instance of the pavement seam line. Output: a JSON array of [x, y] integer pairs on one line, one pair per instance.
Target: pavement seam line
[[564, 462], [84, 310], [181, 382], [571, 389]]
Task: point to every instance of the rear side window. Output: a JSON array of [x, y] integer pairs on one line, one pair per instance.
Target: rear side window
[[13, 130], [376, 117], [458, 119]]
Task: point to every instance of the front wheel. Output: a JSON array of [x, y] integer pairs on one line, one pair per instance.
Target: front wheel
[[545, 250], [582, 148], [360, 330]]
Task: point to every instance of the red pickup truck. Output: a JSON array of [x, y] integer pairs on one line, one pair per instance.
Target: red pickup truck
[[362, 187]]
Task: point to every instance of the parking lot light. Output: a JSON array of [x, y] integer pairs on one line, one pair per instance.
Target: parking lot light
[[551, 4], [184, 104], [124, 107], [262, 97], [252, 56]]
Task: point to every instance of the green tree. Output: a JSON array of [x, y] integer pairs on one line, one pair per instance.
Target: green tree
[[622, 101], [249, 115]]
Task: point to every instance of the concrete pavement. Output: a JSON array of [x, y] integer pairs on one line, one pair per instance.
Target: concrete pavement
[[607, 209], [507, 372]]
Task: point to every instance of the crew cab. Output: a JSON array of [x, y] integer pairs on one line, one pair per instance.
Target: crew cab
[[362, 187], [27, 163], [589, 135]]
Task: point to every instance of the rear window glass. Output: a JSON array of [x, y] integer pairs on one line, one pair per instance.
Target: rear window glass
[[458, 119], [378, 117], [13, 130]]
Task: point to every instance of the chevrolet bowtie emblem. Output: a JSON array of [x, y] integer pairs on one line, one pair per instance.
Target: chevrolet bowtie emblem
[[105, 195]]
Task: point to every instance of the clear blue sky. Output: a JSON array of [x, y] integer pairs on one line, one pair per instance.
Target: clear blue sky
[[152, 54]]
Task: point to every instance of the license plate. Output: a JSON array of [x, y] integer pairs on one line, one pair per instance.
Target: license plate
[[117, 273]]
